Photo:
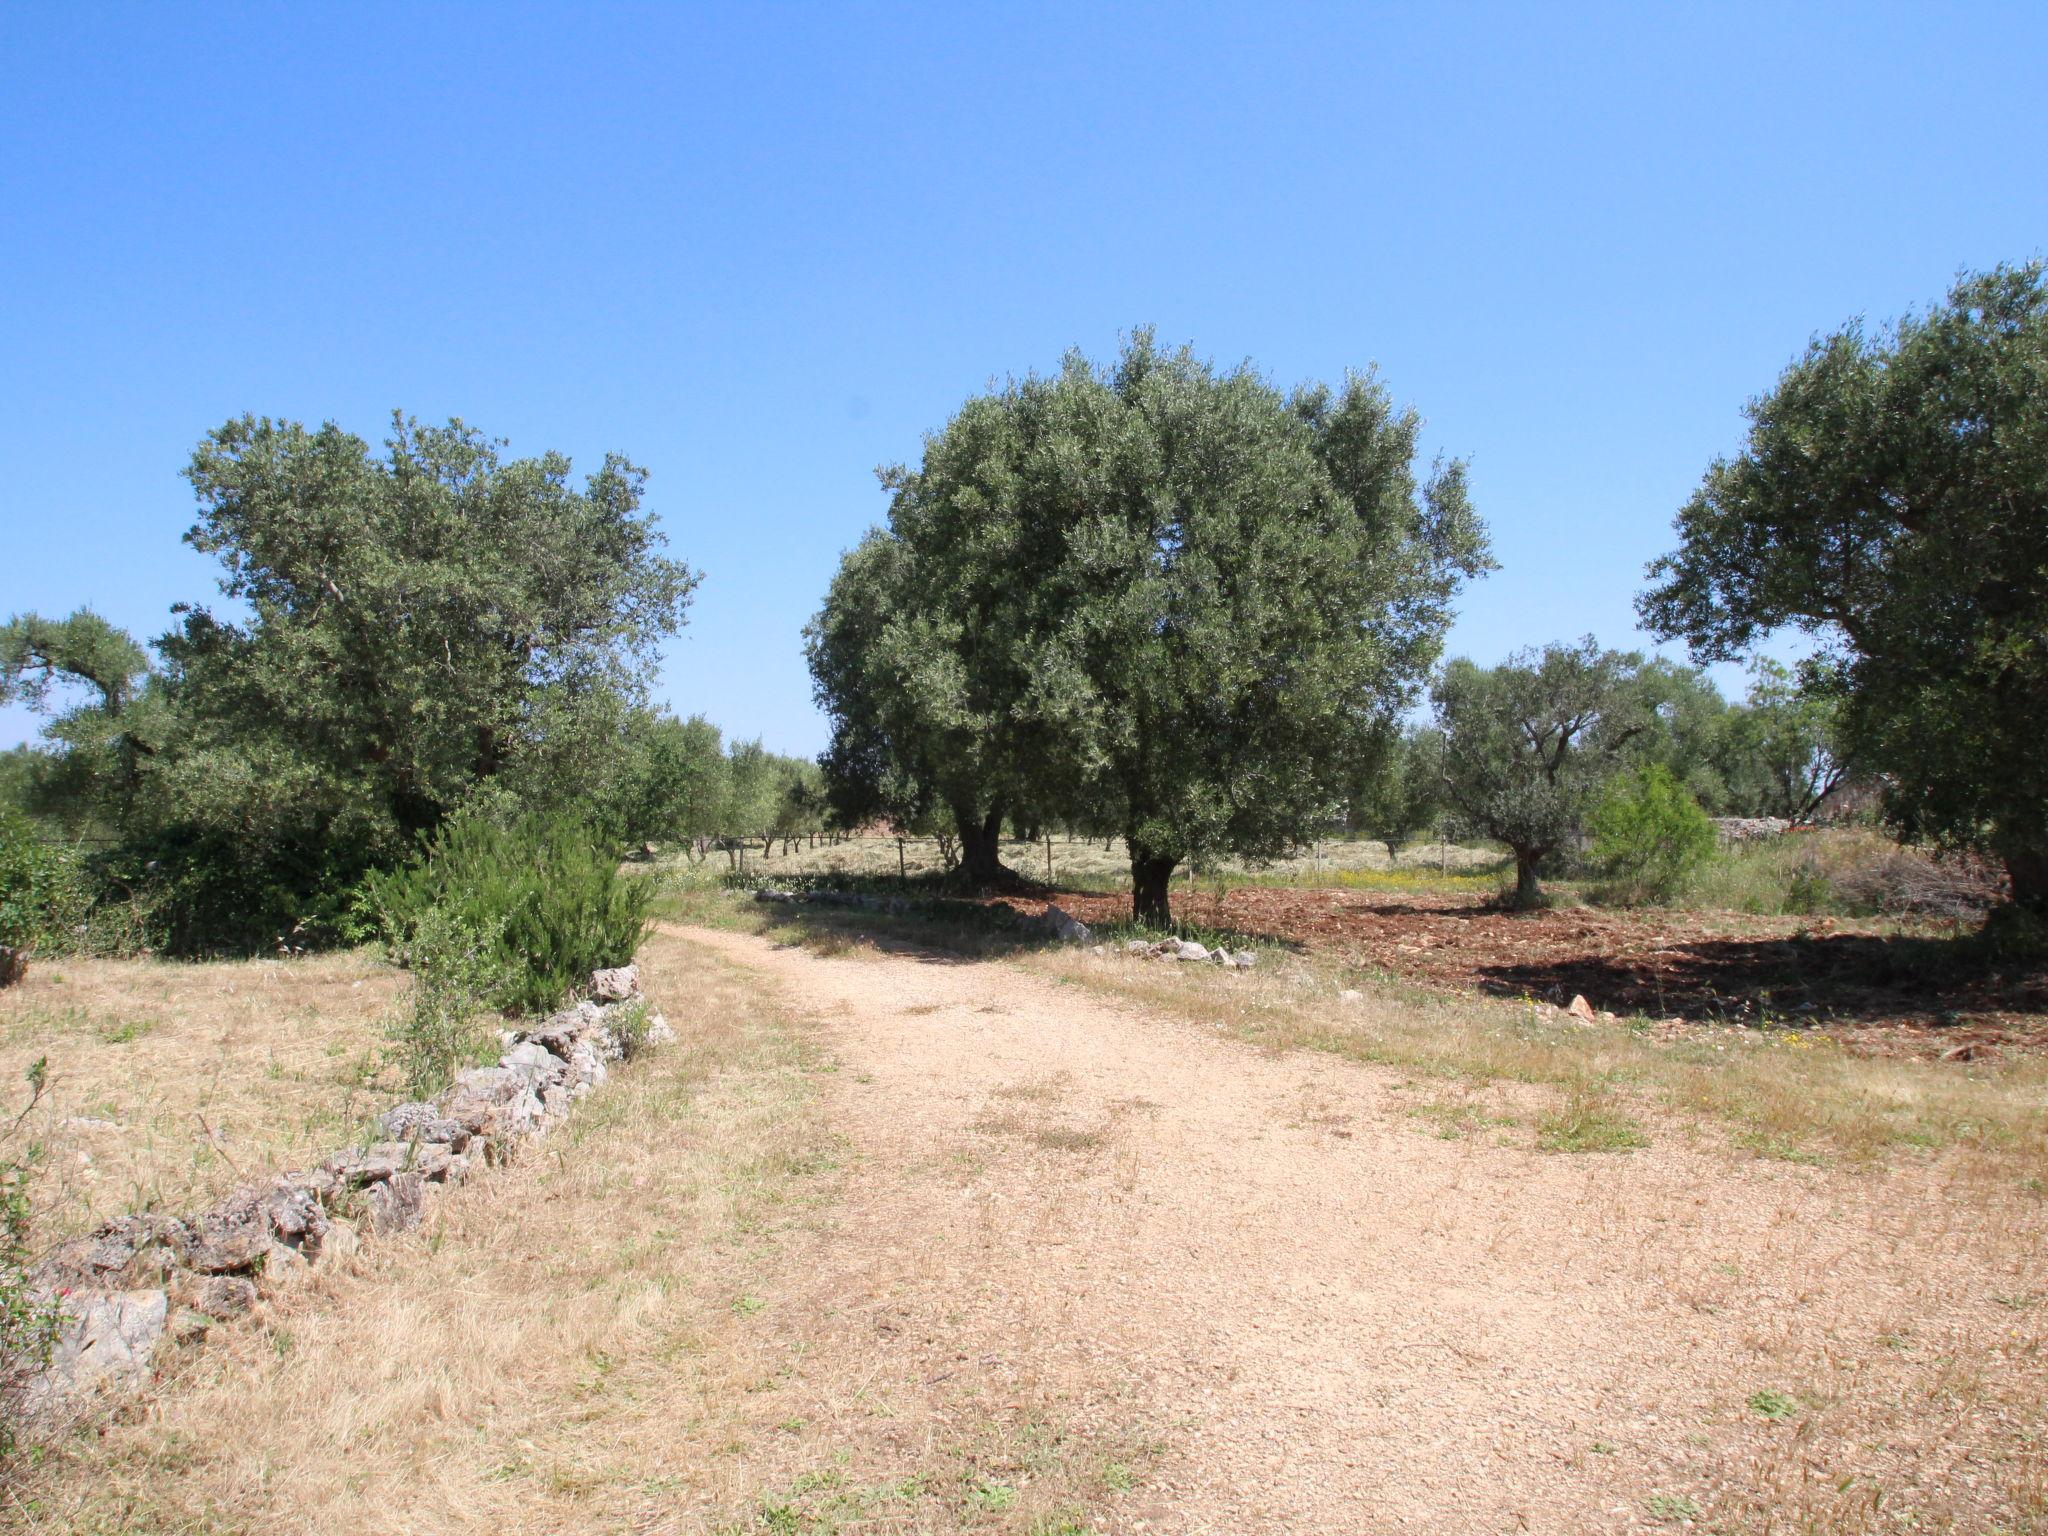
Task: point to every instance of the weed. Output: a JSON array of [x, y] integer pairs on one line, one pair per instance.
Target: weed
[[1588, 1122], [1672, 1506], [1773, 1405]]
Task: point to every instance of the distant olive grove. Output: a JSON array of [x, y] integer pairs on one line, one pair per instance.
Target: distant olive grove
[[1147, 599]]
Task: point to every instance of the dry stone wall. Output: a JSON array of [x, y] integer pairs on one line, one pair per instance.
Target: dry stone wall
[[121, 1288]]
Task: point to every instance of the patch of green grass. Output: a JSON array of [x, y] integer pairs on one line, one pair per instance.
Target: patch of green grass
[[1452, 1119], [1587, 1121], [1773, 1404], [1672, 1506], [993, 1496], [1777, 1146]]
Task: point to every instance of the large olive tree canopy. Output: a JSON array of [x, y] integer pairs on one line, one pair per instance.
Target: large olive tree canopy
[[1164, 597], [1892, 500]]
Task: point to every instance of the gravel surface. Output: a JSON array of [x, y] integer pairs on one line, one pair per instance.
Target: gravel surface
[[1325, 1318]]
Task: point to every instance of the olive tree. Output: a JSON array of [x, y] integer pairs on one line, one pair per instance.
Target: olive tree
[[1530, 744], [1154, 596], [1891, 500]]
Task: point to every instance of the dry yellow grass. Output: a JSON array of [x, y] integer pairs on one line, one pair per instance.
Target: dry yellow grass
[[166, 1079], [589, 1339]]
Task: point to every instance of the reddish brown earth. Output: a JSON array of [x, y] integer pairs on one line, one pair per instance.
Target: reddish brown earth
[[1868, 984]]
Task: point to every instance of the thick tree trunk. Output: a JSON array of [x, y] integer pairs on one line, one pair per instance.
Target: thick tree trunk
[[1151, 881], [2026, 866], [980, 847], [1528, 893]]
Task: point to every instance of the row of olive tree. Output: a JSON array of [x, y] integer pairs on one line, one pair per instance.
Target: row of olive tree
[[1150, 597]]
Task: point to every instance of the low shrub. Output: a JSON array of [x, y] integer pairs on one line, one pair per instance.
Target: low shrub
[[457, 971], [1649, 835], [41, 893], [1851, 872], [544, 895]]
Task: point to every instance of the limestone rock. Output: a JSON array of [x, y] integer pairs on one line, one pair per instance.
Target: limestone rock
[[1580, 1009], [386, 1160], [395, 1205], [123, 1254], [659, 1031], [216, 1296], [616, 985], [1066, 926], [236, 1235], [421, 1121], [103, 1341]]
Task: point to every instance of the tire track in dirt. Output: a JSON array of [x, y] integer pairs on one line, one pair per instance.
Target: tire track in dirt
[[1330, 1321]]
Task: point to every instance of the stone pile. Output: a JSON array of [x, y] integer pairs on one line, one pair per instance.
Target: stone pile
[[118, 1289], [1188, 949]]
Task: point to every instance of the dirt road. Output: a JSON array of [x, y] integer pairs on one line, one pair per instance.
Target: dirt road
[[1296, 1308]]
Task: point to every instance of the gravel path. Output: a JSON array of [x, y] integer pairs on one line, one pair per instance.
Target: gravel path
[[1328, 1318]]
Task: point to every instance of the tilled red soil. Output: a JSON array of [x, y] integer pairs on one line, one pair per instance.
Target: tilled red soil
[[1866, 984]]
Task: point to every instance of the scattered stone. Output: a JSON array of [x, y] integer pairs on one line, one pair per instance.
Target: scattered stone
[[1065, 926], [1185, 949], [1580, 1009], [396, 1204], [1137, 947], [659, 1031], [1350, 995]]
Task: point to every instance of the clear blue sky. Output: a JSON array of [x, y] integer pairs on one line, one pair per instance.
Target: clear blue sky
[[762, 249]]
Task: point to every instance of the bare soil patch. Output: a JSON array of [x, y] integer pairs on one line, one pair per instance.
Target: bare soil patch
[[1871, 985]]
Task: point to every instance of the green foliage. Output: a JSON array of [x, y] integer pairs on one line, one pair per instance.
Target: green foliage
[[41, 893], [28, 1324], [1649, 835], [674, 783], [543, 896], [430, 628], [1892, 500], [1782, 747], [457, 972], [1529, 744], [89, 777], [1402, 792], [1151, 597]]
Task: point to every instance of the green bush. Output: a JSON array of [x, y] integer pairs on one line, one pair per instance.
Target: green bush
[[41, 893], [457, 971], [543, 895], [1649, 835]]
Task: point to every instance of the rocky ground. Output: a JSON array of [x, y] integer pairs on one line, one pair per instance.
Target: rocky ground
[[1868, 984]]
